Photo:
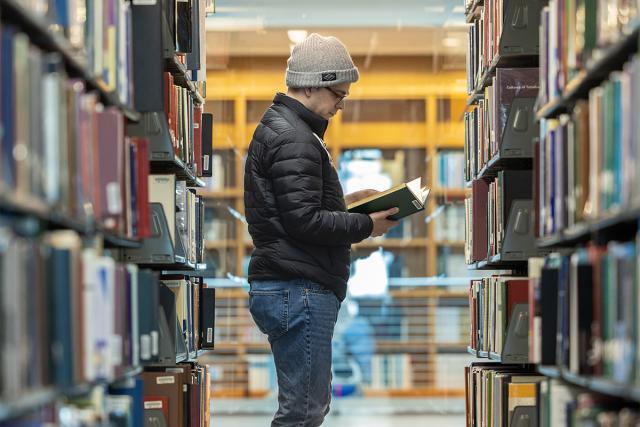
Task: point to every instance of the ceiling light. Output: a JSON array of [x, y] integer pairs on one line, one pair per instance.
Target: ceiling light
[[297, 36], [450, 42]]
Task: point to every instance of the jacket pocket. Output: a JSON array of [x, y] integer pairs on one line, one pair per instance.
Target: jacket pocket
[[270, 311]]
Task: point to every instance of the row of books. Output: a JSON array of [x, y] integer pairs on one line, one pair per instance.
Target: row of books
[[185, 123], [195, 310], [184, 211], [100, 34], [63, 346], [484, 40], [587, 160], [58, 140], [449, 224], [450, 163], [562, 405], [70, 315], [495, 393], [391, 371], [492, 303], [488, 210], [573, 33], [486, 124], [585, 312]]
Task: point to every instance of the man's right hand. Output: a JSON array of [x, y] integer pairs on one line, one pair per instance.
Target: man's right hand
[[380, 222]]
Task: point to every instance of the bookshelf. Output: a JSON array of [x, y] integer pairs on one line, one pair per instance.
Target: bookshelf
[[408, 336], [80, 132], [500, 130], [585, 221], [594, 233]]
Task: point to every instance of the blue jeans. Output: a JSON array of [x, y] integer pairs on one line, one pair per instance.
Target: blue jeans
[[298, 316]]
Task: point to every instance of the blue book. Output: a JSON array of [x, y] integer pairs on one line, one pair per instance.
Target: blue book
[[133, 388], [8, 107]]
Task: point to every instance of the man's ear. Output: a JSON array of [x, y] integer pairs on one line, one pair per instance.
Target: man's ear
[[307, 91]]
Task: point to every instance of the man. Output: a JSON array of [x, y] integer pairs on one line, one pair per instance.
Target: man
[[300, 227]]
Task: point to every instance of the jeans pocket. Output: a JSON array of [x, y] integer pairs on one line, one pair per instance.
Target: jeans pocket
[[270, 311]]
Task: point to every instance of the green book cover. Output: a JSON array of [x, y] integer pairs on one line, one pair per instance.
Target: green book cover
[[409, 197]]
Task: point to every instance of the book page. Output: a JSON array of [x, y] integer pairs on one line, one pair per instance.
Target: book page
[[416, 189]]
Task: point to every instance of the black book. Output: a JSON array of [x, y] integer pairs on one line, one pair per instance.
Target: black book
[[548, 313], [207, 144], [183, 30], [207, 316]]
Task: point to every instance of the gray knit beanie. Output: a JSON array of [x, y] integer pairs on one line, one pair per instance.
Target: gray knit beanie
[[320, 61]]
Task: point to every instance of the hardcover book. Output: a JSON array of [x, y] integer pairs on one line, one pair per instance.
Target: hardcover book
[[409, 197]]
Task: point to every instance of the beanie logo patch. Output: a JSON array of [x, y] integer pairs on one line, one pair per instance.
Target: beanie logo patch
[[328, 77]]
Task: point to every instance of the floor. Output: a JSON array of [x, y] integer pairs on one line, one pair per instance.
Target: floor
[[348, 412], [349, 421]]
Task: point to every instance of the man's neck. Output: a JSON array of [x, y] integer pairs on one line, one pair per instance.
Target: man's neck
[[299, 97]]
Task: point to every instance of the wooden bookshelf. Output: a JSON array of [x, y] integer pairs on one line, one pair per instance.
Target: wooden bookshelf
[[238, 338]]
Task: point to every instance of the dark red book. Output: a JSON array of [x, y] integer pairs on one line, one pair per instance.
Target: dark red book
[[169, 108], [142, 171], [512, 83], [517, 293]]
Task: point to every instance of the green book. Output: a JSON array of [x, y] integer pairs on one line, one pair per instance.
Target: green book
[[409, 197]]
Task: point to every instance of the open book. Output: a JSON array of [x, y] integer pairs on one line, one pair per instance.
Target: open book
[[409, 197]]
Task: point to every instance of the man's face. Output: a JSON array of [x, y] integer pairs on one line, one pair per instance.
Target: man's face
[[326, 101]]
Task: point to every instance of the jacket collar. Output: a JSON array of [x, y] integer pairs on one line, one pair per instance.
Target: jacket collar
[[314, 121]]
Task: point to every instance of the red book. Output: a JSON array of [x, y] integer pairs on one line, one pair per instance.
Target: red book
[[197, 138], [142, 171], [169, 105], [517, 293]]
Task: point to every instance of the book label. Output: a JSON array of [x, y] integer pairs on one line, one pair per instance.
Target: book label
[[165, 380], [153, 404], [145, 347], [155, 346], [209, 335], [114, 207], [145, 2]]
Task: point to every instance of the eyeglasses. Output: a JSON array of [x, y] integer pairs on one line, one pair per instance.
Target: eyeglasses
[[340, 97]]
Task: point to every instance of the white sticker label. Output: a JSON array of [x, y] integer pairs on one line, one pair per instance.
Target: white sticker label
[[114, 202], [153, 404], [155, 347], [145, 347], [165, 380], [145, 2], [205, 161], [209, 335], [196, 125]]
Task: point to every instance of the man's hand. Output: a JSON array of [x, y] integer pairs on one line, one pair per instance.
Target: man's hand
[[359, 195], [380, 222]]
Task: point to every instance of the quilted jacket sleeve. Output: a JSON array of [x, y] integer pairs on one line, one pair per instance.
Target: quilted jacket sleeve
[[296, 173]]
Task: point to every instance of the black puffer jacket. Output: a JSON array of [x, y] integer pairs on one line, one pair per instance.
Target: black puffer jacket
[[294, 203]]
